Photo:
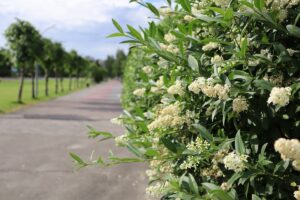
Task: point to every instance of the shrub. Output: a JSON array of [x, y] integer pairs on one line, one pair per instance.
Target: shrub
[[209, 89]]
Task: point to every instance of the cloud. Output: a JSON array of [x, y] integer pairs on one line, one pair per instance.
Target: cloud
[[79, 24], [65, 13]]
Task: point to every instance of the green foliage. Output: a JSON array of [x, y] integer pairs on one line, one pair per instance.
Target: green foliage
[[208, 90], [5, 63]]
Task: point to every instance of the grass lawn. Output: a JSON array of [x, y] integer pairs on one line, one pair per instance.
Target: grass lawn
[[9, 92]]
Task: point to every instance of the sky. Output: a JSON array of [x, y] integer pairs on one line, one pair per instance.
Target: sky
[[78, 24]]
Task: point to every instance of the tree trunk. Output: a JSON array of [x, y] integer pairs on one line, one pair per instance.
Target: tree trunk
[[56, 82], [21, 84], [46, 83], [62, 89], [32, 85], [77, 80], [70, 82]]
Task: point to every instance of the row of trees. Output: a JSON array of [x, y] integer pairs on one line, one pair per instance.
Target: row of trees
[[27, 49]]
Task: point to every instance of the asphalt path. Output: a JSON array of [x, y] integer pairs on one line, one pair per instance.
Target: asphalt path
[[35, 143]]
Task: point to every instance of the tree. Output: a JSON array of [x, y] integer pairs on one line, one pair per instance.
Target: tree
[[5, 63], [72, 66], [23, 40], [58, 58], [119, 63], [46, 61], [108, 63]]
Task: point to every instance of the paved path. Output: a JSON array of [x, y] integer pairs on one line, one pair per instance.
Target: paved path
[[34, 146]]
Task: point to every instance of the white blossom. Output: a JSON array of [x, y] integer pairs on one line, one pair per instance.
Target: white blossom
[[222, 3], [196, 85], [177, 88], [169, 48], [240, 104], [225, 186], [122, 140], [297, 194], [296, 165], [235, 162], [280, 96], [288, 149], [170, 37], [165, 11], [147, 69], [210, 46], [139, 92], [188, 18], [217, 60]]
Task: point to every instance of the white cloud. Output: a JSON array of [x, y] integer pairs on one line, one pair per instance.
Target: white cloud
[[79, 24], [66, 13]]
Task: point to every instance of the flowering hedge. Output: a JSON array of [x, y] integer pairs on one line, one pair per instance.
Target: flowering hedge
[[212, 99]]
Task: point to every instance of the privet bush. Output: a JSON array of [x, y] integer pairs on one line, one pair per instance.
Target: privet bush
[[212, 99]]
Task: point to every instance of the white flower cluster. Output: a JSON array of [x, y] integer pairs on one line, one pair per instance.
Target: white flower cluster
[[276, 79], [198, 146], [116, 121], [235, 162], [226, 186], [297, 194], [222, 3], [214, 170], [210, 90], [198, 7], [168, 117], [240, 104], [169, 48], [188, 18], [282, 4], [190, 162], [139, 92], [210, 46], [177, 88], [217, 60], [122, 140], [280, 96], [157, 189], [289, 150], [147, 69], [165, 11], [170, 37], [160, 86], [196, 85]]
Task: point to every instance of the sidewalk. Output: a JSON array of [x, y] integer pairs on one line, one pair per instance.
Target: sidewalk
[[35, 142]]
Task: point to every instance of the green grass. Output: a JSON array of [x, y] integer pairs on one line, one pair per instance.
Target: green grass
[[9, 92]]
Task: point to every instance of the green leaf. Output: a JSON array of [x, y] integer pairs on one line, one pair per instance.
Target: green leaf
[[185, 4], [229, 14], [259, 4], [135, 150], [203, 132], [116, 35], [93, 133], [216, 191], [193, 184], [193, 63], [117, 25], [294, 30], [239, 144], [77, 160], [135, 33], [263, 85], [254, 197], [153, 9]]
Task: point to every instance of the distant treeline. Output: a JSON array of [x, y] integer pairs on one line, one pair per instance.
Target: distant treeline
[[29, 54]]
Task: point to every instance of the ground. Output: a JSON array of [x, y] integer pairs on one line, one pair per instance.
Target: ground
[[35, 142], [9, 91]]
